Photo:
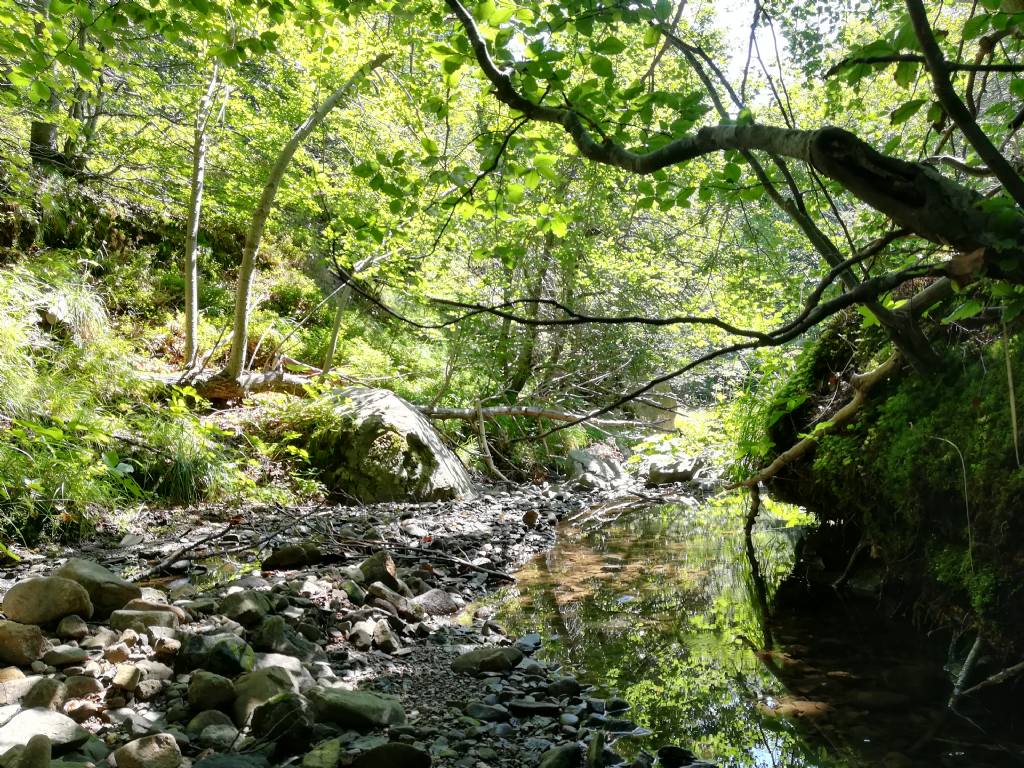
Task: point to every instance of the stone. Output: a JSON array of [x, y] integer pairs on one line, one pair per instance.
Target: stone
[[595, 467], [127, 677], [360, 710], [566, 686], [130, 619], [394, 754], [102, 638], [302, 680], [529, 643], [157, 751], [407, 609], [380, 567], [326, 754], [81, 686], [380, 448], [527, 708], [117, 653], [208, 690], [356, 594], [20, 644], [361, 634], [248, 608], [436, 602], [286, 719], [488, 659], [276, 636], [47, 693], [255, 688], [81, 710], [205, 719], [248, 760], [564, 756], [60, 729], [384, 638], [487, 712], [227, 655], [13, 690], [671, 470], [222, 737], [65, 655], [292, 556], [142, 604], [73, 627], [46, 600], [107, 591], [36, 754]]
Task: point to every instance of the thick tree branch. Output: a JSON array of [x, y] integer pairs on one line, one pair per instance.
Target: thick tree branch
[[916, 58]]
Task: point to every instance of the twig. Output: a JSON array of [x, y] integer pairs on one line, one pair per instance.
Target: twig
[[177, 554]]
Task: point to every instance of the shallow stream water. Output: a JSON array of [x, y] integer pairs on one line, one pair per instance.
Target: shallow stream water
[[660, 605]]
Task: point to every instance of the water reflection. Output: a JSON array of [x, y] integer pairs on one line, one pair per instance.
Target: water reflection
[[662, 604]]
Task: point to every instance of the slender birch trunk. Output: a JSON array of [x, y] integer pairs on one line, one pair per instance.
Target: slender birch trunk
[[195, 204], [247, 269]]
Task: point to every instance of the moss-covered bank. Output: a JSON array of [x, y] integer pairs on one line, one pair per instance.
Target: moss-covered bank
[[926, 486]]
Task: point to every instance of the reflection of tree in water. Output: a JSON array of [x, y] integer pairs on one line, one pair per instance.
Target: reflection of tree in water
[[654, 605]]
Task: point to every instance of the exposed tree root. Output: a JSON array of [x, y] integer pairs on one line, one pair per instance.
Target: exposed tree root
[[862, 384]]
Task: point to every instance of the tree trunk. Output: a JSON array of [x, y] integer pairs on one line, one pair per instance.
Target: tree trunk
[[339, 314], [247, 269], [195, 204]]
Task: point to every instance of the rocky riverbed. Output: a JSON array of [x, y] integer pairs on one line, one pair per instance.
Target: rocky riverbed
[[346, 636]]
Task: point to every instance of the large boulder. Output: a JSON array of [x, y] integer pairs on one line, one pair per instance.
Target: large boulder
[[360, 710], [596, 467], [107, 590], [45, 600], [20, 644], [62, 731], [373, 446]]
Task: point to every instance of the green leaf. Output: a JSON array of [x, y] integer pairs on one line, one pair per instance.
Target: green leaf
[[905, 111], [977, 26], [969, 308], [611, 46], [38, 91], [602, 66], [906, 72], [559, 226], [515, 192]]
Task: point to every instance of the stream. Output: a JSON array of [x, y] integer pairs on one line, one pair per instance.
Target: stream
[[659, 606]]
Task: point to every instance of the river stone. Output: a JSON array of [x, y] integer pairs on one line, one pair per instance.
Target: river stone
[[20, 644], [301, 677], [247, 608], [326, 754], [255, 688], [380, 567], [286, 719], [274, 635], [487, 712], [129, 619], [292, 556], [564, 756], [46, 600], [158, 751], [672, 756], [107, 590], [14, 690], [227, 655], [80, 686], [436, 602], [143, 604], [207, 690], [219, 737], [360, 710], [488, 659], [73, 627], [248, 760], [377, 447], [36, 754], [62, 731], [65, 655], [47, 693], [127, 677], [205, 719], [393, 755]]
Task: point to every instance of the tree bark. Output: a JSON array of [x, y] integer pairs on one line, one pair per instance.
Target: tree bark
[[247, 268], [195, 204]]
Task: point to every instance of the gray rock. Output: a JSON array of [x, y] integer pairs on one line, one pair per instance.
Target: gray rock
[[286, 719], [47, 693], [406, 608], [250, 760], [205, 719], [394, 754], [20, 644], [255, 688], [487, 712], [488, 659], [80, 686], [65, 655], [302, 680], [671, 470], [672, 756], [219, 737], [127, 677], [564, 756], [73, 627], [158, 751], [130, 619], [380, 448], [36, 754], [207, 690], [107, 591], [274, 635], [14, 689], [380, 567], [61, 730], [384, 638], [360, 710], [248, 608], [292, 556], [326, 754], [227, 655], [46, 600], [436, 602]]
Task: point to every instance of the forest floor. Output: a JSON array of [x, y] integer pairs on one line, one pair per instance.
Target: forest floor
[[219, 656]]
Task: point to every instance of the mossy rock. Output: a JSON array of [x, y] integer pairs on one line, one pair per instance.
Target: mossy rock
[[371, 445]]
